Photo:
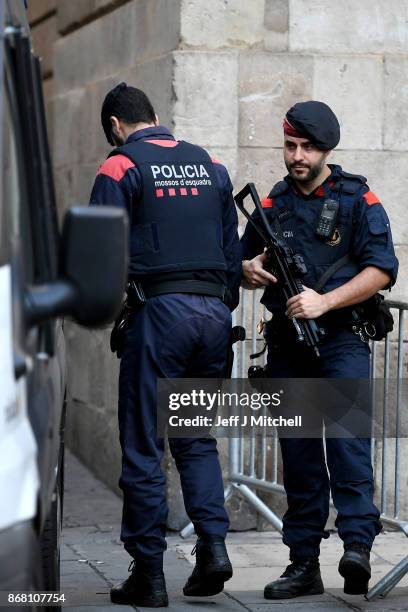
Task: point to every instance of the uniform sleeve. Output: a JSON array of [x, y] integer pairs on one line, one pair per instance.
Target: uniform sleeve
[[117, 184], [373, 244], [231, 244]]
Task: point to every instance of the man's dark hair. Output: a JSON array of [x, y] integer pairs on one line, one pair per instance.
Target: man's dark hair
[[128, 104]]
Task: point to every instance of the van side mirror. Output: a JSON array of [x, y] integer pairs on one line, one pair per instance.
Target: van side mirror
[[93, 269]]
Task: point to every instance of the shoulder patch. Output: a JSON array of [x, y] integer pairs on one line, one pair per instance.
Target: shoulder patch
[[267, 202], [371, 198], [116, 167]]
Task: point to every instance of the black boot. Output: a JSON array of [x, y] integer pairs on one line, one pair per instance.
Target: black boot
[[212, 568], [355, 568], [301, 577], [141, 589]]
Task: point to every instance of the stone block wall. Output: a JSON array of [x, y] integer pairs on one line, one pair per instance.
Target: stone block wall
[[87, 47], [221, 73]]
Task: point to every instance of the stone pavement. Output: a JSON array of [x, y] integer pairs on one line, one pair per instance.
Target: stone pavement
[[93, 559]]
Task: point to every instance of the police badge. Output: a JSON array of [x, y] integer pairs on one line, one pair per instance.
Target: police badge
[[335, 238]]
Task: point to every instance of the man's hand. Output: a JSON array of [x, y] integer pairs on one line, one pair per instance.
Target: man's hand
[[307, 305], [254, 273]]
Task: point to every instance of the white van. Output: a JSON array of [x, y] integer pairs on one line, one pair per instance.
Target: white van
[[44, 275]]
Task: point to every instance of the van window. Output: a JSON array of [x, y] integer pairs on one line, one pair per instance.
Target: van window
[[38, 168], [14, 216]]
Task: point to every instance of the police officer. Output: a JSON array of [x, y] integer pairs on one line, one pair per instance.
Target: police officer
[[343, 269], [185, 257]]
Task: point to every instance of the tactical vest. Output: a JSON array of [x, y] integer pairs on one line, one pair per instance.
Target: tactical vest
[[177, 224], [299, 217]]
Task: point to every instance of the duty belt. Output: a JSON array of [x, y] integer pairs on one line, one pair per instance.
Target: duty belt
[[186, 286]]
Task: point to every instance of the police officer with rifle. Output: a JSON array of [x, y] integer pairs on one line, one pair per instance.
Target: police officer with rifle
[[333, 235]]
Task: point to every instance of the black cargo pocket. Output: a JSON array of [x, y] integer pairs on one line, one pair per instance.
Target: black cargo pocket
[[145, 239], [378, 226]]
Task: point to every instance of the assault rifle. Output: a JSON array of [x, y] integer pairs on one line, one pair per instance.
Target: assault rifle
[[287, 266]]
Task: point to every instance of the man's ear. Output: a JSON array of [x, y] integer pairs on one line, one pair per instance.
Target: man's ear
[[327, 155], [115, 125]]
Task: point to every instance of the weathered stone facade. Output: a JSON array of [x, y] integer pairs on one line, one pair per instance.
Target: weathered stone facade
[[221, 73]]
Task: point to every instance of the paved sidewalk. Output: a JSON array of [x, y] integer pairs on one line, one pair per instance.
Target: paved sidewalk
[[93, 559]]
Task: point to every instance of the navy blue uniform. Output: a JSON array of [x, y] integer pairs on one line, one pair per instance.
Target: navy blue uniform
[[119, 183], [363, 233], [183, 228]]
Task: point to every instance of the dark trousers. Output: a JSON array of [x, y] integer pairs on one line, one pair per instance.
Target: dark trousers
[[306, 478], [174, 336]]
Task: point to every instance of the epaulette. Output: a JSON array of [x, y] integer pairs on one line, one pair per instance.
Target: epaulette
[[116, 167], [349, 183], [279, 189]]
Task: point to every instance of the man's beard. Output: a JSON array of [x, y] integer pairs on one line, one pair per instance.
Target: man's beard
[[313, 171]]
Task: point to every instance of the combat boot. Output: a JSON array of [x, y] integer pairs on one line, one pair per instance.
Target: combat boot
[[301, 577], [355, 568], [141, 589], [212, 567]]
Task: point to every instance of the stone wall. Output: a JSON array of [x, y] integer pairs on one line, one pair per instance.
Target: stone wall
[[87, 47], [221, 73]]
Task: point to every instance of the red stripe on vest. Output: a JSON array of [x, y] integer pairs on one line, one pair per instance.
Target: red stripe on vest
[[163, 143], [371, 198], [267, 203], [116, 167]]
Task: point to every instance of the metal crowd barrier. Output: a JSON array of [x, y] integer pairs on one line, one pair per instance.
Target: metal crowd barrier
[[254, 463], [394, 349]]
